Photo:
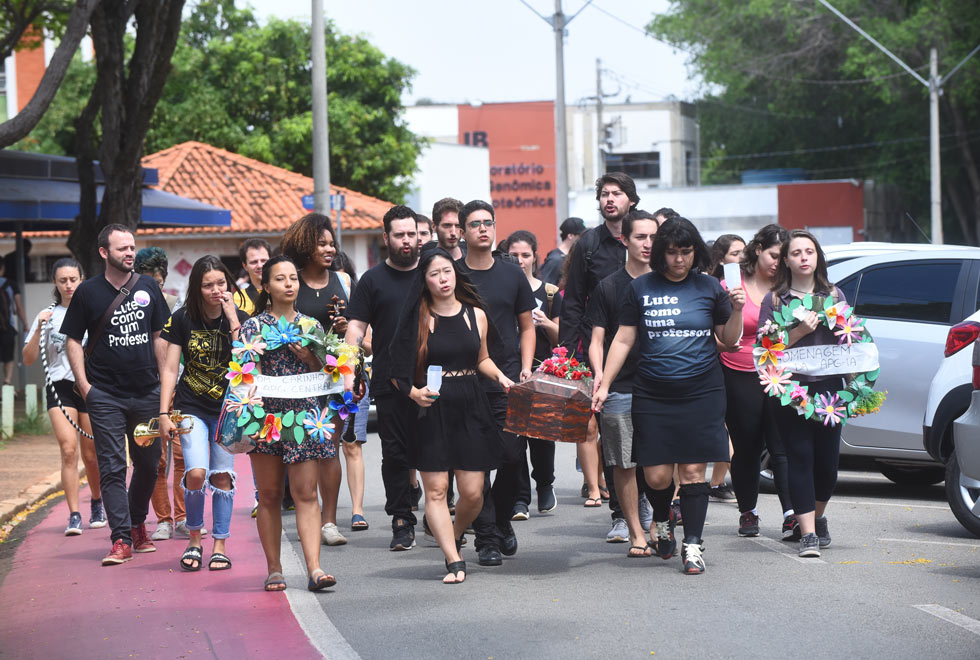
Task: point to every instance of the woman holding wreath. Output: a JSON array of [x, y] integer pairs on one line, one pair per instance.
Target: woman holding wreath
[[812, 448], [676, 313], [276, 452], [202, 331], [443, 323]]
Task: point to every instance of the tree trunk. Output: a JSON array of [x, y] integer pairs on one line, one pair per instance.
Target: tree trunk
[[24, 121], [81, 239], [127, 95], [968, 161], [967, 226]]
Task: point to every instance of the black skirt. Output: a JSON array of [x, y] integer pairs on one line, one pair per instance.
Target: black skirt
[[680, 421], [457, 432]]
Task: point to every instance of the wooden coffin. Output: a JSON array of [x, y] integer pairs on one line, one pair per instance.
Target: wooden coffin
[[550, 408]]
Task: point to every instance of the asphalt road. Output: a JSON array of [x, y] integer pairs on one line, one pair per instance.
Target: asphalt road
[[902, 580]]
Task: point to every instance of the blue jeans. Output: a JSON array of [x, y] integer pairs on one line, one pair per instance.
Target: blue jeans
[[202, 451]]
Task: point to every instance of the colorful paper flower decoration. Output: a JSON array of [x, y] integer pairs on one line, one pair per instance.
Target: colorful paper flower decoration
[[271, 428], [248, 349], [237, 404], [836, 315], [775, 380], [306, 324], [240, 373], [829, 408], [772, 351], [798, 393], [849, 330], [317, 424], [346, 407], [283, 334], [337, 367]]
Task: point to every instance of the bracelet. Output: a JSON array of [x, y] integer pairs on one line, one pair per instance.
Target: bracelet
[[166, 412]]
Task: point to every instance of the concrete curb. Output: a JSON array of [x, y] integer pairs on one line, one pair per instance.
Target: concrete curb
[[33, 493]]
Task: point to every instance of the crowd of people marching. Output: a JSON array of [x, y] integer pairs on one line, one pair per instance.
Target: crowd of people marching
[[640, 298]]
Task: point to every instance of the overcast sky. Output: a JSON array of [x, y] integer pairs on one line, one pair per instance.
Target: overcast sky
[[499, 50]]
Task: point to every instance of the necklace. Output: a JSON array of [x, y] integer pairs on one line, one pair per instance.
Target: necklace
[[803, 293]]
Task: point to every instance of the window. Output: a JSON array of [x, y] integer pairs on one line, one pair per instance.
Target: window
[[690, 168], [913, 291], [849, 287], [637, 166]]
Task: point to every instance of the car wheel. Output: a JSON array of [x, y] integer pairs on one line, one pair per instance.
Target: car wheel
[[913, 476], [963, 494]]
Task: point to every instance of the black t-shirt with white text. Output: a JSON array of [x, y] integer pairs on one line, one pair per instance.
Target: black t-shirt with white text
[[603, 312], [675, 323], [377, 300], [505, 291], [206, 349], [123, 362]]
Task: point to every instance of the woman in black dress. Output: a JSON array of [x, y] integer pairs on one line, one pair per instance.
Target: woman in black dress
[[444, 324], [309, 242], [675, 313]]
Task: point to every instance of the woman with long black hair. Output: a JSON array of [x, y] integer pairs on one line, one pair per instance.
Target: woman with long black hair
[[812, 448], [749, 416], [444, 324], [273, 457], [677, 314], [202, 332]]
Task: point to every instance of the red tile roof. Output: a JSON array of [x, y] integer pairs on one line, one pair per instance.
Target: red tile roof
[[262, 198]]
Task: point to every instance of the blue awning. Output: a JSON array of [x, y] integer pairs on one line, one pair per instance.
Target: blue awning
[[51, 205]]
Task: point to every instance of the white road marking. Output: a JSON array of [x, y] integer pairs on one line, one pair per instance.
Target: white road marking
[[779, 548], [307, 610], [913, 506], [946, 614], [965, 545]]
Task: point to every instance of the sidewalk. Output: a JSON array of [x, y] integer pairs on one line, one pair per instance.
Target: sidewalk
[[57, 600], [30, 469]]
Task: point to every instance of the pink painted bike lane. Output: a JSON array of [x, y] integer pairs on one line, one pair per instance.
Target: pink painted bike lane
[[58, 601]]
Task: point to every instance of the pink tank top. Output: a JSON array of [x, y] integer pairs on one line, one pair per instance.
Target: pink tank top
[[742, 359]]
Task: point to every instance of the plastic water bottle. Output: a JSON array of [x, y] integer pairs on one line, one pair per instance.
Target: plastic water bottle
[[433, 378]]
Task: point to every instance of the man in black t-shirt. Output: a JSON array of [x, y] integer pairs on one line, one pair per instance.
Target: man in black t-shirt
[[120, 382], [504, 289], [616, 425], [377, 301], [570, 230]]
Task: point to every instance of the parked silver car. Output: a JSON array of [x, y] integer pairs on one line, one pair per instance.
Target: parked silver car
[[963, 464]]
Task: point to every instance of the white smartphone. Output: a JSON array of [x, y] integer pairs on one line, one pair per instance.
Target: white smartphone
[[733, 275]]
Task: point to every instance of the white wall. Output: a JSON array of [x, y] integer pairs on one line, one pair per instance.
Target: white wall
[[437, 122], [450, 170]]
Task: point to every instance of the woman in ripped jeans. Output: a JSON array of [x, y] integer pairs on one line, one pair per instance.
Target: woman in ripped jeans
[[202, 332]]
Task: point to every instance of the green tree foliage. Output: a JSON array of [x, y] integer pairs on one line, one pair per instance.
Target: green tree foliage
[[791, 85], [246, 88]]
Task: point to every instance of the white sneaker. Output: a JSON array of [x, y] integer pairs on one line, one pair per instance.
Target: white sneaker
[[619, 533], [331, 535], [181, 531], [164, 531]]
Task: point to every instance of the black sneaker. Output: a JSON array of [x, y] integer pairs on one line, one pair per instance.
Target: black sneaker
[[675, 512], [402, 536], [666, 544], [490, 556], [691, 559], [547, 502], [809, 545], [74, 524], [520, 512], [416, 496], [723, 493], [823, 532], [451, 503], [791, 528], [748, 524], [509, 545], [287, 502], [97, 519]]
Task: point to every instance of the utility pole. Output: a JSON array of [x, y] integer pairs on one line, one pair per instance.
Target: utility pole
[[561, 136], [321, 140], [600, 125], [935, 86]]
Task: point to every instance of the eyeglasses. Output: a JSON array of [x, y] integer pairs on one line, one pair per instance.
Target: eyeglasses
[[476, 224]]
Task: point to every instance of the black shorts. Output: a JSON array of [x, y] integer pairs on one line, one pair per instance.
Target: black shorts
[[66, 392], [7, 338]]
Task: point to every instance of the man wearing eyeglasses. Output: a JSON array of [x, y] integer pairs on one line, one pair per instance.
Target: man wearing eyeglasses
[[507, 294]]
